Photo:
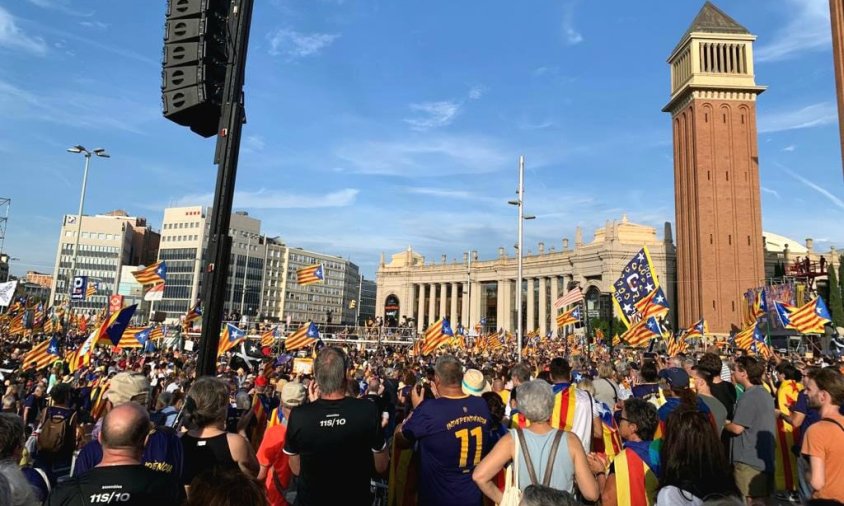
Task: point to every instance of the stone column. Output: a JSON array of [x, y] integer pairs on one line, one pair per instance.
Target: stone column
[[555, 293], [500, 304], [443, 300], [475, 304], [507, 321], [543, 307], [420, 301], [530, 324], [432, 302], [452, 315], [464, 309]]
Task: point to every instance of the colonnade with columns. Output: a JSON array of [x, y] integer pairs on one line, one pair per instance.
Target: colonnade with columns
[[464, 302]]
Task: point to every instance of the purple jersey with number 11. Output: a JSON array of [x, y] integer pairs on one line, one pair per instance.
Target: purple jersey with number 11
[[453, 436]]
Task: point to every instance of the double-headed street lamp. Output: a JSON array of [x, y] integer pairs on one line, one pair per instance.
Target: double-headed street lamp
[[100, 152], [521, 205]]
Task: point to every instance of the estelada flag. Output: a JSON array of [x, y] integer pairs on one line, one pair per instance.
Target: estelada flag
[[310, 274], [116, 324], [155, 273]]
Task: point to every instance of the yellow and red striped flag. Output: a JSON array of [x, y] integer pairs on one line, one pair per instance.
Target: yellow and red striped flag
[[268, 337], [493, 342], [43, 354], [570, 317], [155, 273], [305, 336], [230, 337], [744, 339], [809, 318], [641, 333], [93, 286], [676, 346], [654, 304], [310, 275], [437, 335]]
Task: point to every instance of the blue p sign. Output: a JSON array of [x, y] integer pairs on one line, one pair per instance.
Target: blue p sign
[[80, 283]]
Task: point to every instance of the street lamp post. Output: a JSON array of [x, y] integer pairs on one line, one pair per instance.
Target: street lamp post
[[100, 152], [521, 204]]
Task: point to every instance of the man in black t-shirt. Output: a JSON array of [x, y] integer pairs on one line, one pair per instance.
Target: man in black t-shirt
[[120, 478], [335, 441]]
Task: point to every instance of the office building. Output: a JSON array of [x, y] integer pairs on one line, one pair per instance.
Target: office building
[[107, 243]]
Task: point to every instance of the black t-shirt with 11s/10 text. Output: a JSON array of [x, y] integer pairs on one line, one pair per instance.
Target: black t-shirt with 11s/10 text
[[129, 485], [335, 440]]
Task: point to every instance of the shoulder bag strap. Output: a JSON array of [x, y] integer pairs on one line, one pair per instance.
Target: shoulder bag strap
[[549, 468], [614, 389], [833, 421], [514, 474], [528, 462]]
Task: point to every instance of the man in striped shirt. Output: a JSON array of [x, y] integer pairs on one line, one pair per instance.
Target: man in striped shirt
[[574, 409]]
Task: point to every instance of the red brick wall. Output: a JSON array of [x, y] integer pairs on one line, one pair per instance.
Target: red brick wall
[[718, 213]]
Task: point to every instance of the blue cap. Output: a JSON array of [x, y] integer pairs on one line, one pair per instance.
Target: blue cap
[[676, 377]]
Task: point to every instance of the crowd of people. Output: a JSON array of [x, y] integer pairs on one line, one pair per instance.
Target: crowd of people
[[458, 427]]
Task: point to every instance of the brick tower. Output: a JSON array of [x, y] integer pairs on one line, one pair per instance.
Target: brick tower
[[716, 170]]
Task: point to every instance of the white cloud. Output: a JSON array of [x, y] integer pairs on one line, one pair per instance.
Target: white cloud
[[426, 156], [14, 38], [476, 92], [433, 114], [820, 114], [66, 106], [63, 6], [807, 29], [274, 199], [823, 191], [255, 143], [99, 25], [772, 192], [294, 45], [453, 195], [531, 125], [570, 33], [789, 148]]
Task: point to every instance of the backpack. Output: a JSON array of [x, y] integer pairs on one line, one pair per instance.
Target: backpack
[[56, 431]]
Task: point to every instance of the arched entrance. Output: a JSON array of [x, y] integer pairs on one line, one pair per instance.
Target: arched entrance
[[391, 311]]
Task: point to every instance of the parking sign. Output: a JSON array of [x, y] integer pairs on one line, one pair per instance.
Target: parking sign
[[80, 284]]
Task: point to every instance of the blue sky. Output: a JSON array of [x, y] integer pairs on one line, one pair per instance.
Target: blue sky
[[374, 125]]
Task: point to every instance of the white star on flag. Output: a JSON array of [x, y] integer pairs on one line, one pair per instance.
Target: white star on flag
[[659, 299], [627, 308], [649, 287], [641, 256]]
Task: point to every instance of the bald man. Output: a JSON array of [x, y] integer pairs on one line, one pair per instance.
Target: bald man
[[120, 478]]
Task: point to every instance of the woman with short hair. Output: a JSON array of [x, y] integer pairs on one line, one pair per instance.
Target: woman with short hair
[[206, 444], [536, 402]]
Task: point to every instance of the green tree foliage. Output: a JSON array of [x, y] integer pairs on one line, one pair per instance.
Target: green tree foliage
[[836, 307]]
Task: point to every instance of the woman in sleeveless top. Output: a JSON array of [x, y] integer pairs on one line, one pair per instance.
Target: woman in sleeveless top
[[536, 402], [207, 445]]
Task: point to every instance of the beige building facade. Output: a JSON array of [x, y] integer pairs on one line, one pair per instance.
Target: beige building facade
[[482, 292], [107, 242]]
